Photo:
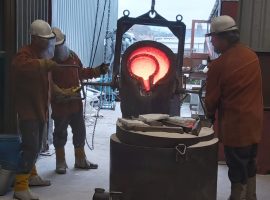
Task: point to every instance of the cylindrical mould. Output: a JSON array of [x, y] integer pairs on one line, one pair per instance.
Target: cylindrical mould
[[175, 173]]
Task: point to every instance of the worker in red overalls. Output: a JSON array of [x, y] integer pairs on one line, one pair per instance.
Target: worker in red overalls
[[67, 113], [234, 89]]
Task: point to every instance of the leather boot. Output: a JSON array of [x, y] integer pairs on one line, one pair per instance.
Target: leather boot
[[61, 165], [21, 188], [36, 180], [81, 161], [251, 189], [24, 195], [238, 191]]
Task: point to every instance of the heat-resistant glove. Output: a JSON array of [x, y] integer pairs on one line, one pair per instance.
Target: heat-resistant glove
[[61, 94], [47, 65], [103, 68]]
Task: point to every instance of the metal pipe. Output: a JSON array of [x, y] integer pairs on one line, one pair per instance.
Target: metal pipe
[[64, 65], [97, 83]]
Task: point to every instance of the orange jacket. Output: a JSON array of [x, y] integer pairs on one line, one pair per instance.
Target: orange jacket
[[234, 89], [67, 78], [31, 86]]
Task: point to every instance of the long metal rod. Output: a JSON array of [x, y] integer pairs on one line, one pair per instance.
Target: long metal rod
[[64, 65], [97, 83]]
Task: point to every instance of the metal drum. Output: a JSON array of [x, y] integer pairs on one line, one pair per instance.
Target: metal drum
[[185, 170]]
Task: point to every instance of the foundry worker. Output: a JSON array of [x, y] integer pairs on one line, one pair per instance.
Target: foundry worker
[[70, 112], [30, 70], [234, 90]]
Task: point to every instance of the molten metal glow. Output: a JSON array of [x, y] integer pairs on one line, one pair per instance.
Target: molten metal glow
[[146, 62], [144, 67]]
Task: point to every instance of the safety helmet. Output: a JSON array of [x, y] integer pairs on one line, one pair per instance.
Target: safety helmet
[[42, 29], [221, 24], [60, 37]]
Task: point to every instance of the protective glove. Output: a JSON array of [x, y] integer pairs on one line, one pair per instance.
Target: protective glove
[[61, 94], [71, 92], [103, 68], [47, 65]]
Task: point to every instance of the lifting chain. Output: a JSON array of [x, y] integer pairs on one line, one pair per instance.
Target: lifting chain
[[94, 35], [153, 6]]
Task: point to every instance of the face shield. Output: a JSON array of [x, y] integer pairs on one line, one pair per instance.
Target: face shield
[[47, 47], [61, 52]]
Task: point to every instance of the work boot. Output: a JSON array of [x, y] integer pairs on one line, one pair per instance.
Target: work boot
[[238, 191], [24, 195], [81, 161], [251, 189], [21, 188], [61, 165], [38, 181]]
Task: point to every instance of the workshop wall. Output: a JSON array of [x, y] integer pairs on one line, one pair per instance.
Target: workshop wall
[[77, 19], [26, 12], [230, 8], [254, 24]]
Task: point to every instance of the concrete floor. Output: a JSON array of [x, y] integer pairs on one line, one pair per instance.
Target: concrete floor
[[80, 184]]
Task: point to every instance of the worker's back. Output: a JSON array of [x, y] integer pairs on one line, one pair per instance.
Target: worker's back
[[240, 108]]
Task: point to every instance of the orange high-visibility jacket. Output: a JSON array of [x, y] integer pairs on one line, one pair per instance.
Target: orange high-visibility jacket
[[234, 89], [30, 85], [66, 78]]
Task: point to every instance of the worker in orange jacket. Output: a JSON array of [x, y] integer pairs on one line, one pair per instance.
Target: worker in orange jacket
[[234, 89], [31, 68], [67, 113]]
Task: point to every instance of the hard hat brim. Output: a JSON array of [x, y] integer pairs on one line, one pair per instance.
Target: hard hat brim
[[215, 33], [60, 42], [52, 35]]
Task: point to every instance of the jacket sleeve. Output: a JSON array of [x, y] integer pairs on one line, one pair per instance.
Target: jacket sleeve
[[26, 65], [86, 73], [213, 90]]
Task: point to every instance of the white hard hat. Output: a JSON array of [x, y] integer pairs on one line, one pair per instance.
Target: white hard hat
[[60, 37], [221, 24], [42, 29]]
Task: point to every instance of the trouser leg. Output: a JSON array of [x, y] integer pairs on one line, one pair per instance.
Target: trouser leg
[[78, 129], [31, 144], [60, 132], [242, 165]]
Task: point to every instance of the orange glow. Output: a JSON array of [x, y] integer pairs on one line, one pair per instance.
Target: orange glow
[[146, 62], [144, 67]]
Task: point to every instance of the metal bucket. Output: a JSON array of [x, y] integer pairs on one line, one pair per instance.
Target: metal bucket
[[6, 180]]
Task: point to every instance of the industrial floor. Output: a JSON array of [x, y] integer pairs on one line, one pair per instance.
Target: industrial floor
[[80, 184]]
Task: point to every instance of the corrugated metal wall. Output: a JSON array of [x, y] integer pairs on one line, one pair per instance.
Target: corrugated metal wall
[[77, 20], [26, 12], [254, 23]]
